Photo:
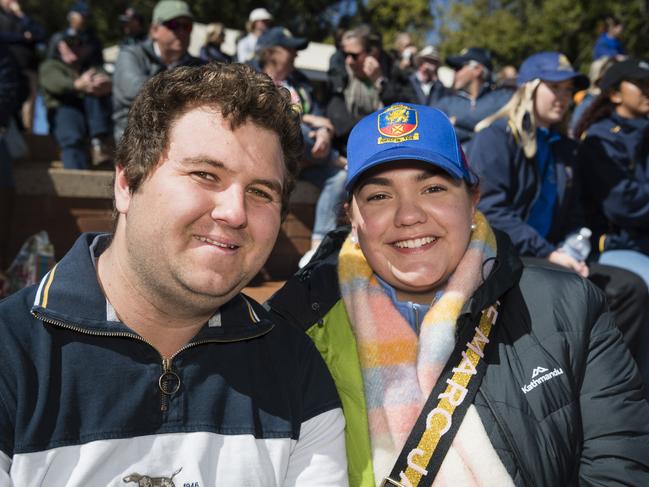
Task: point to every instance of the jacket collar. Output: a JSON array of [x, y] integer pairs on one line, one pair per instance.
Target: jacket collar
[[308, 295], [69, 295], [504, 276]]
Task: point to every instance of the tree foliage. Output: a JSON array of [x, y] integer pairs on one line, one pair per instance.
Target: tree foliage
[[514, 29], [389, 17]]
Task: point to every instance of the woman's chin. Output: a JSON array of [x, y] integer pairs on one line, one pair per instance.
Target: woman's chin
[[417, 280]]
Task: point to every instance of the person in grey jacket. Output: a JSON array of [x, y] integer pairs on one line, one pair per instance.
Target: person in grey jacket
[[166, 48], [475, 97]]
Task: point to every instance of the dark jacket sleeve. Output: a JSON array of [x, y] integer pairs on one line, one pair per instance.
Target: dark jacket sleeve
[[493, 155], [9, 86], [624, 199], [615, 415]]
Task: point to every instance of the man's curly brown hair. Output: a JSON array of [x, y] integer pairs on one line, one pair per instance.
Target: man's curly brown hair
[[240, 94]]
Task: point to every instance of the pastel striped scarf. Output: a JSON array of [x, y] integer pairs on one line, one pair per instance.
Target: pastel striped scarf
[[400, 369]]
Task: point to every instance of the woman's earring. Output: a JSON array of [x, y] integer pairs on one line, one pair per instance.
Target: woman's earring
[[473, 226], [354, 239]]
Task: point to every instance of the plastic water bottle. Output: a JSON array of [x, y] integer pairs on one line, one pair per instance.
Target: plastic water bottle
[[577, 245]]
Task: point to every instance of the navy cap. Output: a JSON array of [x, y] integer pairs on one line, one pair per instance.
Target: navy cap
[[81, 8], [405, 131], [550, 66], [280, 36], [628, 70], [477, 54], [129, 14]]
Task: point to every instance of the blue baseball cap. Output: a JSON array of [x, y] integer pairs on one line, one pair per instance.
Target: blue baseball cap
[[281, 36], [550, 66], [405, 131]]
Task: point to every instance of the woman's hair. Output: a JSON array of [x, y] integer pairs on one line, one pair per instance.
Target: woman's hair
[[519, 112], [597, 70], [214, 32], [610, 22], [600, 108]]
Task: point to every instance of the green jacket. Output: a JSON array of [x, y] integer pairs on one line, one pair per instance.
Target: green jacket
[[548, 318], [332, 334], [57, 80]]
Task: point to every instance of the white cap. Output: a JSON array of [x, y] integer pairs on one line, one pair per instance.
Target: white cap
[[428, 52], [259, 14]]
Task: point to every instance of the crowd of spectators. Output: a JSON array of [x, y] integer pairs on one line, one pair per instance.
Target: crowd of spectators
[[87, 107]]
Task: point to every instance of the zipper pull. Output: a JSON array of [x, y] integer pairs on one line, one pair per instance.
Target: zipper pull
[[168, 382]]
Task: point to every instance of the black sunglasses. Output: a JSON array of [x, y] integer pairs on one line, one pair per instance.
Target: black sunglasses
[[176, 25], [354, 55]]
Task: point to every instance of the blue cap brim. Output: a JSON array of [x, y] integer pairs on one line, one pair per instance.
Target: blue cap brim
[[410, 153], [580, 81]]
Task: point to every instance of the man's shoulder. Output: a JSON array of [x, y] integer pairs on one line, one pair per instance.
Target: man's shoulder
[[142, 51], [15, 314]]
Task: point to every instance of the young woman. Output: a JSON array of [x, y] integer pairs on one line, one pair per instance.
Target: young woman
[[211, 50], [530, 184], [614, 153], [422, 299]]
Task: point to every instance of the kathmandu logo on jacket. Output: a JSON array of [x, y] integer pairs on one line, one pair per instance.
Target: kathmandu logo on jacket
[[146, 481], [539, 376]]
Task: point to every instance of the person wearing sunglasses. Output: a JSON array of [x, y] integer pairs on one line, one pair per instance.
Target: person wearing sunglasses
[[167, 47], [358, 86]]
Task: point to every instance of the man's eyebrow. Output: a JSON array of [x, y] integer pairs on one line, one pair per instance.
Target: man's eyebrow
[[197, 160], [271, 184]]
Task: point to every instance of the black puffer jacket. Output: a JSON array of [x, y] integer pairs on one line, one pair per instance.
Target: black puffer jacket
[[561, 399]]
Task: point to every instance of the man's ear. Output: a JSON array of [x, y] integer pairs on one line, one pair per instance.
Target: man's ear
[[122, 191]]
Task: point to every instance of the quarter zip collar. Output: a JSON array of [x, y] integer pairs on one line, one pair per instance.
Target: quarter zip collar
[[70, 296]]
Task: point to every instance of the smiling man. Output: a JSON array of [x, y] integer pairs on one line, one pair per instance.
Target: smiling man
[[137, 357]]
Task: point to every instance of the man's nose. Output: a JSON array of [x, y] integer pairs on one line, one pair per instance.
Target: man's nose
[[230, 207]]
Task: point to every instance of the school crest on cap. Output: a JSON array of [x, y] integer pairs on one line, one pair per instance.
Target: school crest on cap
[[563, 64], [397, 124]]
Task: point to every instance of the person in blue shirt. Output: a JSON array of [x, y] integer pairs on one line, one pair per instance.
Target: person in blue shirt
[[530, 186], [608, 43], [474, 97], [615, 149]]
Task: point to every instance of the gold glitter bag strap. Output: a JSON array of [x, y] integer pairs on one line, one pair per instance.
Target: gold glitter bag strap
[[431, 437]]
